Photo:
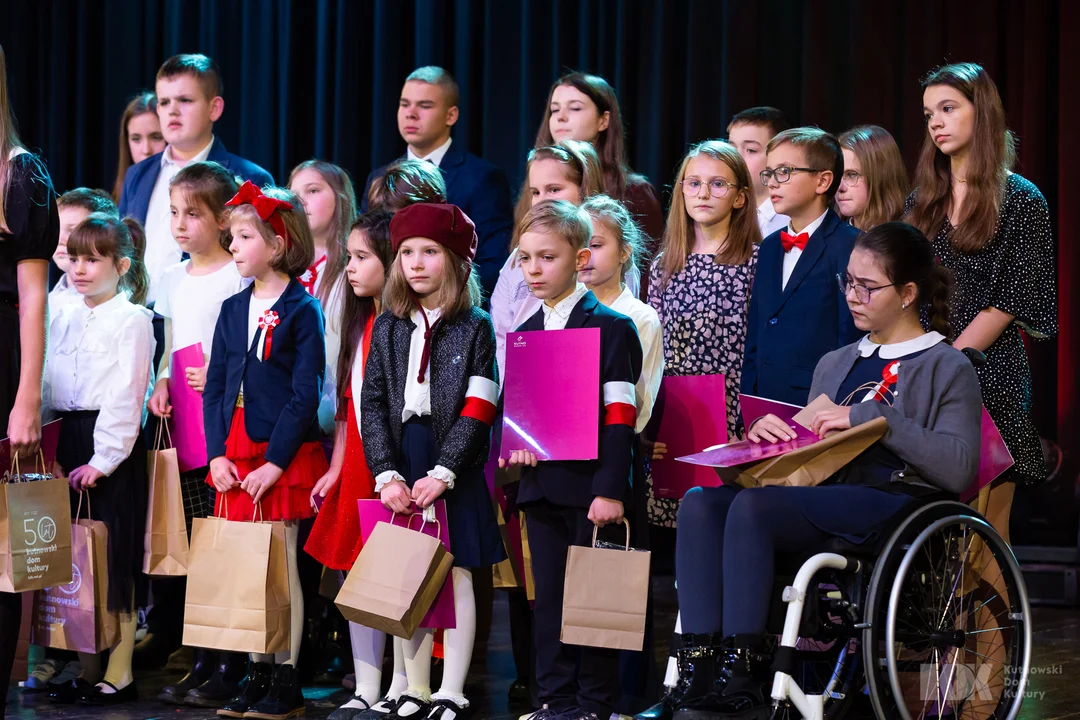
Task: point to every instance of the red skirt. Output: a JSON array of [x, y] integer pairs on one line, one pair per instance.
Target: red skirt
[[290, 496], [335, 538]]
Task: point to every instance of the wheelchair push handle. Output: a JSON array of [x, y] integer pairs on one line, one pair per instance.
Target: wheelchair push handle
[[624, 522], [977, 357]]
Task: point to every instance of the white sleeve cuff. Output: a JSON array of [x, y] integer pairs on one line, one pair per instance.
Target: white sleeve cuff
[[385, 478], [444, 474], [102, 465]]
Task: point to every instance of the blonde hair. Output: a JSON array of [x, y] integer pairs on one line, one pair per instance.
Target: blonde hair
[[459, 289], [611, 212], [299, 250], [883, 172], [581, 167], [743, 231], [559, 217]]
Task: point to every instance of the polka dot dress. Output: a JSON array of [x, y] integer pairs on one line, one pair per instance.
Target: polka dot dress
[[1014, 273]]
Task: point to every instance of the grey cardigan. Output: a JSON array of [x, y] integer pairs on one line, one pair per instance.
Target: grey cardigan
[[935, 422]]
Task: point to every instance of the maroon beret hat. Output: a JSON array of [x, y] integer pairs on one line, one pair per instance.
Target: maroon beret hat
[[444, 224]]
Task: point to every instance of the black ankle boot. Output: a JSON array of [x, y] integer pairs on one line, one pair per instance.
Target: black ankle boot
[[697, 669], [737, 686], [223, 685], [205, 662], [284, 700], [255, 687]]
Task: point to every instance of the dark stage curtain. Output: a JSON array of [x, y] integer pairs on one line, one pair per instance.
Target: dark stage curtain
[[321, 79]]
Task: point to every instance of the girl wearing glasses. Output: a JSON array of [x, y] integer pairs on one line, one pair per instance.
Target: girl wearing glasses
[[875, 183]]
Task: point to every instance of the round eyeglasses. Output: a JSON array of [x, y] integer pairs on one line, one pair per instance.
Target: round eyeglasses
[[717, 188], [783, 173], [862, 292]]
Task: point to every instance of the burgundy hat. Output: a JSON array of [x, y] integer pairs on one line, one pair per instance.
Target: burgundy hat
[[444, 224]]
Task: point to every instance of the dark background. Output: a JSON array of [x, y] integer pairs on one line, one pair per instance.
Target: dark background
[[320, 78]]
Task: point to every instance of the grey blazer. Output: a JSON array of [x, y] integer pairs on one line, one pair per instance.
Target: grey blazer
[[935, 422]]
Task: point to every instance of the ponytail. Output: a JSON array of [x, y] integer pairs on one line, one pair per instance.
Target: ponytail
[[136, 280], [104, 235], [938, 305]]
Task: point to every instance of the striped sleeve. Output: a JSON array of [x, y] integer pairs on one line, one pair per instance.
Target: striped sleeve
[[619, 404], [481, 399]]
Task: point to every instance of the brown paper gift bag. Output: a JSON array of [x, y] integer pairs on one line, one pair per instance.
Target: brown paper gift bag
[[605, 595], [237, 587], [165, 545], [526, 558], [505, 574], [395, 579], [35, 531], [76, 616]]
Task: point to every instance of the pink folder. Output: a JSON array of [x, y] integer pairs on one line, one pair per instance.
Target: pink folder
[[693, 416], [551, 394], [50, 437], [994, 459], [441, 615], [754, 407], [188, 433]]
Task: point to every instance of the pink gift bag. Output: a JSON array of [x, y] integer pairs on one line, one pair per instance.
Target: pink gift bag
[[188, 433], [441, 615]]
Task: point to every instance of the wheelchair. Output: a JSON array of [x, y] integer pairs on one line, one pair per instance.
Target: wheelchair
[[931, 620]]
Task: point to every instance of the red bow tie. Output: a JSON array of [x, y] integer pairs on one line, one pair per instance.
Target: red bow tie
[[788, 241]]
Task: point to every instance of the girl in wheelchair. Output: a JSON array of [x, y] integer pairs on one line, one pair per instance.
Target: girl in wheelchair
[[928, 393]]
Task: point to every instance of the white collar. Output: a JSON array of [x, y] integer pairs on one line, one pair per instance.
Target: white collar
[[435, 157], [766, 210], [900, 349], [565, 306], [167, 156], [809, 229], [114, 303], [432, 315]]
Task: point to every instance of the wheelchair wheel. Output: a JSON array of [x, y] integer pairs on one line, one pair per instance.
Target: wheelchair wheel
[[948, 615]]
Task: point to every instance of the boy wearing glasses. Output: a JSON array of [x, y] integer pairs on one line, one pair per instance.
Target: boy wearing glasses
[[797, 312]]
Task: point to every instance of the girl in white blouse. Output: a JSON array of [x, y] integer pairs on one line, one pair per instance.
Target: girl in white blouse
[[98, 377]]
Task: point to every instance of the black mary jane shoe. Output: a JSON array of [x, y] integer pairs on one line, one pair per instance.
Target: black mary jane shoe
[[407, 702], [448, 710], [68, 693], [97, 697]]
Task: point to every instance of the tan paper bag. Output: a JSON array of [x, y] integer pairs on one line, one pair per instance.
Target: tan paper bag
[[237, 587], [165, 545], [504, 575], [76, 616], [35, 531], [526, 556], [395, 579], [605, 595]]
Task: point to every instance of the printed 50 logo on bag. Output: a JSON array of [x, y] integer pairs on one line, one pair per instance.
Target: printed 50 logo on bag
[[38, 535]]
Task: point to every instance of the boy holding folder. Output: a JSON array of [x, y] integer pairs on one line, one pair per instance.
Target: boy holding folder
[[562, 500]]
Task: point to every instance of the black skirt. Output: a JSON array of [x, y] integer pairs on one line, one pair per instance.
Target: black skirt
[[118, 500]]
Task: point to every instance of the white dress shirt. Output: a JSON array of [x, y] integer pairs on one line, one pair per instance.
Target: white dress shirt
[[791, 257], [651, 337], [555, 318], [99, 359], [769, 220], [162, 251], [434, 157]]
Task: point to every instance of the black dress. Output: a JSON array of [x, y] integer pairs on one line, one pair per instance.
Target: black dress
[[1014, 273]]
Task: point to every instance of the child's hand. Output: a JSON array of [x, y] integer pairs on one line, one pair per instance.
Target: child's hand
[[770, 429], [159, 401], [196, 378], [427, 490], [83, 477], [395, 496], [655, 450], [604, 511], [223, 474], [519, 457], [326, 482], [260, 480], [831, 420]]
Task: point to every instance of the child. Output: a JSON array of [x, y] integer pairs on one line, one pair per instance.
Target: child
[[97, 378], [190, 298], [750, 131], [875, 182], [428, 402], [797, 312], [558, 172], [74, 206], [140, 136], [406, 182], [562, 500], [335, 537], [260, 407]]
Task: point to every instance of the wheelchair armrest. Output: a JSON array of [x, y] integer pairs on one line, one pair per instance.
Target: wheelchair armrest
[[977, 357]]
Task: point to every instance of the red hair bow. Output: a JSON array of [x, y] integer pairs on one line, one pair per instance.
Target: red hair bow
[[266, 207]]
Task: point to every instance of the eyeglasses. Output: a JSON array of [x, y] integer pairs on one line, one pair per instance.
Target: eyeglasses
[[783, 173], [717, 188], [862, 292], [851, 177]]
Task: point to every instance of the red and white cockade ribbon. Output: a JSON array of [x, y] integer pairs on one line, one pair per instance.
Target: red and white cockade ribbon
[[267, 323], [889, 376]]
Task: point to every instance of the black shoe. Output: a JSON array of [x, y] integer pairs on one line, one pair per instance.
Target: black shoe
[[418, 708], [738, 684], [205, 662], [380, 710], [256, 685], [97, 697], [344, 713], [222, 685], [698, 677], [153, 651], [448, 710], [69, 692], [284, 700], [519, 694]]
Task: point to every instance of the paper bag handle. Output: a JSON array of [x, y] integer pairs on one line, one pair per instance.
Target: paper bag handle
[[163, 432], [78, 509], [869, 387], [625, 522], [16, 471], [426, 516], [223, 501]]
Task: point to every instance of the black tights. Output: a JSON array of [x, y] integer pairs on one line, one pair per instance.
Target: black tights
[[10, 622]]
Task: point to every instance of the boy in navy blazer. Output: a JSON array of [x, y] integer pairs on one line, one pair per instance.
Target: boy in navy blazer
[[427, 111], [189, 102], [797, 310], [563, 500]]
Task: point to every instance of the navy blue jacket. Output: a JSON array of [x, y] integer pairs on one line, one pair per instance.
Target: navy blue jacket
[[482, 191], [577, 483], [140, 178], [281, 393], [790, 329]]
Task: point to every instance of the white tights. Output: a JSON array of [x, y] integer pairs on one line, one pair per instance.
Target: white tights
[[457, 648]]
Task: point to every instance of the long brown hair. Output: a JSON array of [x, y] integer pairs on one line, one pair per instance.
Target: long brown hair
[[581, 167], [743, 232], [992, 154], [459, 290], [103, 234], [210, 185], [143, 103], [355, 311], [883, 172], [9, 139], [343, 218], [610, 144]]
